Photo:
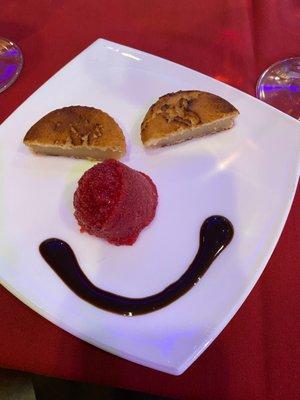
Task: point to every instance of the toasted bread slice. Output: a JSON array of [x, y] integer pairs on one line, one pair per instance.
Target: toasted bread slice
[[77, 131], [177, 117]]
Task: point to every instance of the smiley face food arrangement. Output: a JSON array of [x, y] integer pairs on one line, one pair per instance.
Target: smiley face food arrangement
[[115, 202]]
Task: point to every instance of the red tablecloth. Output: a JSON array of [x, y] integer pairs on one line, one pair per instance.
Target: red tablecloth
[[255, 357]]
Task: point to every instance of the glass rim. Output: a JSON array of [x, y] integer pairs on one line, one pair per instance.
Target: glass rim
[[19, 66], [268, 69]]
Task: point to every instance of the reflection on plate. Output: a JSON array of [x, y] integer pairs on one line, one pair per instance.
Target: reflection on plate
[[235, 174]]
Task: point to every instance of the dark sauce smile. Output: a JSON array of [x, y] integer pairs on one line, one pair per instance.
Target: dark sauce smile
[[215, 234]]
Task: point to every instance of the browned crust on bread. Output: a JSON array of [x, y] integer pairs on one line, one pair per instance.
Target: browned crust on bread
[[183, 110], [77, 126]]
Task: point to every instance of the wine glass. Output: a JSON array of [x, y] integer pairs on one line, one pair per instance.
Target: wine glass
[[11, 62], [279, 86]]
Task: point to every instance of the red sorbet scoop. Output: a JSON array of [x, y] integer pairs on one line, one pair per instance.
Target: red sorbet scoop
[[115, 202]]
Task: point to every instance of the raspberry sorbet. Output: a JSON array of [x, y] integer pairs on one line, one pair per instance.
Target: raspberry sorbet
[[115, 202]]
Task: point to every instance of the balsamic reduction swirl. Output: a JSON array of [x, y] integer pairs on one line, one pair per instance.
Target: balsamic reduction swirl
[[215, 234]]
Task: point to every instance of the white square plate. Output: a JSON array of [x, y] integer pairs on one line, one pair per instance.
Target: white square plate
[[248, 174]]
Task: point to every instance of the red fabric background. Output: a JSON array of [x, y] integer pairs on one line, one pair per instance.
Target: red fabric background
[[257, 355]]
